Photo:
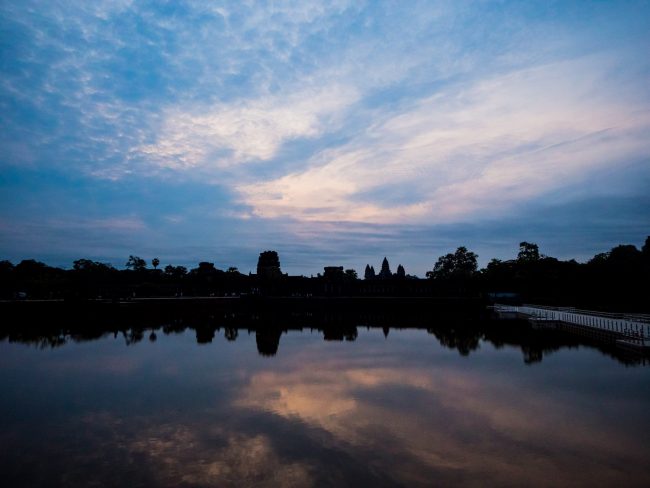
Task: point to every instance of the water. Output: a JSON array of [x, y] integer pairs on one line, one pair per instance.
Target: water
[[401, 409]]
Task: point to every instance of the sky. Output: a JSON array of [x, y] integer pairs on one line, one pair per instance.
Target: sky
[[335, 132]]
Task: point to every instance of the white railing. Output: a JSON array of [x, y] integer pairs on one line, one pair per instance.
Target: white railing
[[622, 324], [634, 317]]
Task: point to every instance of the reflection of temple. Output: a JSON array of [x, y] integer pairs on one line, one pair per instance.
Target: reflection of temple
[[268, 341], [204, 334]]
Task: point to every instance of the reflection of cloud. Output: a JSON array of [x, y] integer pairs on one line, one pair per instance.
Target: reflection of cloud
[[451, 423], [295, 397], [182, 456], [199, 454]]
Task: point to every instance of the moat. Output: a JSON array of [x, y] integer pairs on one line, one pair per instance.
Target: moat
[[304, 398]]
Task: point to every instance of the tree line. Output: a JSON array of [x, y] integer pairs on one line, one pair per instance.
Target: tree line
[[619, 278], [616, 279]]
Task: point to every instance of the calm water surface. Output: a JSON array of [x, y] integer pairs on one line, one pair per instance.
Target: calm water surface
[[376, 411]]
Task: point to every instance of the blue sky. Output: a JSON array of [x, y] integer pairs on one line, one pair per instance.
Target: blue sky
[[334, 132]]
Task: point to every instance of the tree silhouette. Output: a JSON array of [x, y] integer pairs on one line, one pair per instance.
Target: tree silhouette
[[89, 266], [461, 264], [136, 263], [528, 252], [175, 272], [155, 262], [205, 268], [6, 266], [6, 269]]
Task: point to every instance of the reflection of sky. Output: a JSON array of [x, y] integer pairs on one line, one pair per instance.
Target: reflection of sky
[[374, 411]]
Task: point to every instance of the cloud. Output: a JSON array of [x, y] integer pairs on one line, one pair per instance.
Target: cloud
[[245, 131], [483, 146]]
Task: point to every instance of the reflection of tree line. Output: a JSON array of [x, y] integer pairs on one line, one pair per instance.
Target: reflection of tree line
[[461, 333]]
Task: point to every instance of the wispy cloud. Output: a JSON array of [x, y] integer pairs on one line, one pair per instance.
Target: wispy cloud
[[482, 146], [244, 131]]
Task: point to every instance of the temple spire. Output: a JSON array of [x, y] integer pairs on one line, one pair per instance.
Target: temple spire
[[385, 269]]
